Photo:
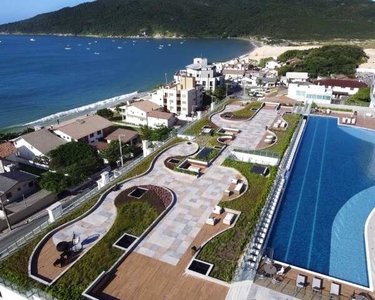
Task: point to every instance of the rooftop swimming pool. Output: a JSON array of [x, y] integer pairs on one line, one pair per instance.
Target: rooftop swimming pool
[[330, 194]]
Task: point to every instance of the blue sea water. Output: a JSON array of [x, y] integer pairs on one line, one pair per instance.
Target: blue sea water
[[330, 194], [41, 78]]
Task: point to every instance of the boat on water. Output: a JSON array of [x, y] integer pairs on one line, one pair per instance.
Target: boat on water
[[32, 40], [89, 43], [87, 48], [96, 53], [169, 45], [95, 42], [119, 47], [68, 48], [113, 41], [79, 45]]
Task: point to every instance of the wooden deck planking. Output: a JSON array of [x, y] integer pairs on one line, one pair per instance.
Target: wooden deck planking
[[142, 277]]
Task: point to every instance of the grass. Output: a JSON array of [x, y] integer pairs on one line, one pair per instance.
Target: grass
[[72, 284], [247, 112], [225, 250], [284, 137]]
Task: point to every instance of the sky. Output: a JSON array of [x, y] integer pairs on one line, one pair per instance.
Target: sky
[[15, 10]]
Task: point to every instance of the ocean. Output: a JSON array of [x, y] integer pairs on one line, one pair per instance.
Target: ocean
[[56, 77]]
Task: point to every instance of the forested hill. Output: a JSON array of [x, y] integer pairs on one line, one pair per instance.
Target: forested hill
[[291, 19]]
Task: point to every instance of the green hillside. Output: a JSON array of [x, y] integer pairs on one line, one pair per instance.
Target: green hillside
[[291, 19]]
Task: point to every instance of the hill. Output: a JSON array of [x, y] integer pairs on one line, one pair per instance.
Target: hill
[[291, 19]]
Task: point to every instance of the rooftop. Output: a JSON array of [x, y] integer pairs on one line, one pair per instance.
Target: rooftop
[[85, 126], [146, 105], [43, 140], [7, 149], [160, 115], [344, 83], [126, 135], [10, 179]]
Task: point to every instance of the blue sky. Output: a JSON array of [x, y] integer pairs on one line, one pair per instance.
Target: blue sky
[[15, 10]]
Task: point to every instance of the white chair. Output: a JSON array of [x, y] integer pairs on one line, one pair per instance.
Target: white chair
[[353, 121], [335, 290], [317, 285], [218, 210], [228, 219], [300, 282], [211, 221]]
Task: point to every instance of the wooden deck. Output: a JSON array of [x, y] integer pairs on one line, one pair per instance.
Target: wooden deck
[[288, 286], [142, 277], [44, 262]]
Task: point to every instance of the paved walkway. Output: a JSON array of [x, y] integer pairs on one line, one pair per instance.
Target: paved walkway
[[196, 197], [251, 131]]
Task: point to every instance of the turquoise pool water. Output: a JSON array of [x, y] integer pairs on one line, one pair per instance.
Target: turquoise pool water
[[330, 194]]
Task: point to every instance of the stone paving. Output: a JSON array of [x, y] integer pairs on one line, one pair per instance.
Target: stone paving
[[251, 131]]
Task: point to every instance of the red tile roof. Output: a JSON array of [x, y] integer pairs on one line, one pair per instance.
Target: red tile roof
[[7, 149], [350, 83]]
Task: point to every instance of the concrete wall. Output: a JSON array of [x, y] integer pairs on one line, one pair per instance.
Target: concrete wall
[[26, 151], [256, 159]]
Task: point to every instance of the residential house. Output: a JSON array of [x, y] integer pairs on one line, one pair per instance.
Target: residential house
[[129, 137], [89, 129], [341, 88], [273, 64], [16, 185], [36, 144], [204, 73], [8, 157], [136, 112], [159, 118], [296, 77], [232, 74], [268, 82], [182, 97], [308, 93]]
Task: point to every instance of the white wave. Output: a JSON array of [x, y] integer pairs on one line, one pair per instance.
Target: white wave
[[85, 108]]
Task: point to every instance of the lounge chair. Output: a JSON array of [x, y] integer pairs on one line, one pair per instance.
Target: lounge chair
[[317, 285], [335, 290], [353, 121], [229, 218], [211, 221], [300, 282], [218, 210]]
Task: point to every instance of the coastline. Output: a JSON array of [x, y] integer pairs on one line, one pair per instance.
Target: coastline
[[91, 108]]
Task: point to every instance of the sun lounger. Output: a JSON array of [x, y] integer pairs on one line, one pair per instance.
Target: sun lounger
[[279, 121], [353, 121], [275, 125], [218, 210], [194, 169], [239, 187], [211, 221], [283, 124], [301, 281], [229, 218], [268, 141], [235, 180], [317, 284], [335, 290], [343, 120]]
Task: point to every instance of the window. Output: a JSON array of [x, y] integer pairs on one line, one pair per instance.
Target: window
[[183, 96], [99, 132], [91, 135], [9, 195], [31, 183]]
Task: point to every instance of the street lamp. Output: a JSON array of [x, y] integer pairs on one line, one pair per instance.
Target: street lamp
[[119, 142], [4, 211]]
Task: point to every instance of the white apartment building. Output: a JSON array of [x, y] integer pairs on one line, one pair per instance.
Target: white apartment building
[[182, 97], [342, 88], [296, 77], [205, 74], [309, 93], [137, 112]]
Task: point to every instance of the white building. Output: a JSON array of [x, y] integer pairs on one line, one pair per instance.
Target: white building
[[181, 98], [136, 112], [89, 129], [205, 74], [273, 64], [296, 77], [342, 88], [36, 144], [157, 118], [309, 93]]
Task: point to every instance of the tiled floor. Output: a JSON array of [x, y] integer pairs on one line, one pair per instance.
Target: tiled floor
[[251, 131]]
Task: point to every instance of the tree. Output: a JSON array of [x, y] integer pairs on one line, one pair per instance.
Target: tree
[[54, 182], [105, 113], [264, 61], [362, 96], [283, 70], [112, 153], [159, 133], [220, 92]]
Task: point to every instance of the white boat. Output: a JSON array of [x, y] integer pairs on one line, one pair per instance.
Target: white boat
[[181, 43], [89, 43], [79, 45], [32, 40], [96, 53], [113, 41], [119, 47], [95, 42], [169, 45], [87, 48], [134, 41], [68, 48]]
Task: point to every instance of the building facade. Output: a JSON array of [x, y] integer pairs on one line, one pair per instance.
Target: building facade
[[309, 93]]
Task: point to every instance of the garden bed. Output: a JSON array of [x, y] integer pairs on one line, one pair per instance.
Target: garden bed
[[243, 114]]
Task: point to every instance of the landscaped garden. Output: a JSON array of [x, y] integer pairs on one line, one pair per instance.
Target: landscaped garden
[[246, 113], [284, 136], [102, 255], [225, 250]]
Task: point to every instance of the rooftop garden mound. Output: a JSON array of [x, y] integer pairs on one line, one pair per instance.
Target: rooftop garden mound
[[246, 113], [225, 250]]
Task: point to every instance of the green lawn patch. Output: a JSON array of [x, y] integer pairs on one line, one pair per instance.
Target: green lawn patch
[[284, 137], [225, 250], [248, 111]]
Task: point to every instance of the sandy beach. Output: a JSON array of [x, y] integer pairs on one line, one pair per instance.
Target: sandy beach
[[274, 51]]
